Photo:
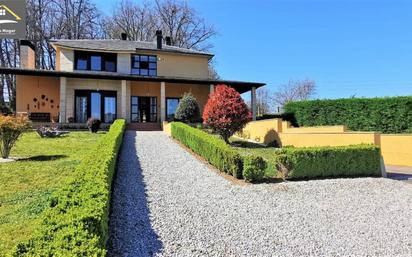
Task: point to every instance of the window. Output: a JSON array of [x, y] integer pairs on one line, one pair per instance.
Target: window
[[171, 106], [95, 61], [144, 65]]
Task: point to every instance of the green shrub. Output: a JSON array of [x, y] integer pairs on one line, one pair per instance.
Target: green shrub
[[219, 154], [387, 115], [213, 149], [188, 109], [254, 168], [76, 223], [321, 162]]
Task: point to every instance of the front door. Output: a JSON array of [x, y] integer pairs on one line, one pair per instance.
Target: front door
[[143, 109]]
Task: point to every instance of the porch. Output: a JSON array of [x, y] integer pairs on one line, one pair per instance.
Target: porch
[[73, 97]]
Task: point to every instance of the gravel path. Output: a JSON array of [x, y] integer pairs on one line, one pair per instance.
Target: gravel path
[[167, 203]]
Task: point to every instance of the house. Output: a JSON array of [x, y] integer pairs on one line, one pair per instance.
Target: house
[[108, 79]]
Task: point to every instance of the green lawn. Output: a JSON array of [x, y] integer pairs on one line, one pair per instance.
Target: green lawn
[[26, 185], [268, 153]]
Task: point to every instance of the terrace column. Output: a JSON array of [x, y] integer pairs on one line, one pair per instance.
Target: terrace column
[[62, 105], [253, 102], [162, 101], [123, 99], [212, 88]]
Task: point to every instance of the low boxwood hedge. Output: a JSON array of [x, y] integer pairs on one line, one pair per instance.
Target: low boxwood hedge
[[321, 162], [76, 223], [211, 148]]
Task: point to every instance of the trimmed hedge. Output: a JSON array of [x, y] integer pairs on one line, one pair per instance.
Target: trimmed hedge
[[336, 161], [76, 223], [387, 115], [254, 168], [213, 149]]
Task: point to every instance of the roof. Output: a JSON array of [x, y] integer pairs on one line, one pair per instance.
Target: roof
[[117, 45], [240, 86]]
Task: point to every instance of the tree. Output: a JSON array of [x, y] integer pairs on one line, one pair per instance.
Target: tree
[[10, 130], [263, 101], [188, 109], [294, 91], [175, 18], [226, 112]]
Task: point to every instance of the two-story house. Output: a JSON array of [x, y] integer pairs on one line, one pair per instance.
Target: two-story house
[[107, 79]]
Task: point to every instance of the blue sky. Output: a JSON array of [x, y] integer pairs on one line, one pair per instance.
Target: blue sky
[[349, 47]]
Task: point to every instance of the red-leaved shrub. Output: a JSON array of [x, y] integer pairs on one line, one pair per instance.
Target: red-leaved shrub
[[226, 112]]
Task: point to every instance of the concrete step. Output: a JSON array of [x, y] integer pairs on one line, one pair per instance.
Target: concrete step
[[147, 126]]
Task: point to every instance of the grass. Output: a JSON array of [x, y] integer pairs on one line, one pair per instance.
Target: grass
[[268, 153], [26, 185]]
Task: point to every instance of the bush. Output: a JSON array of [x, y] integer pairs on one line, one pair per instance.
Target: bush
[[10, 130], [387, 115], [93, 125], [76, 223], [254, 168], [321, 162], [213, 149], [219, 154], [188, 109], [225, 112]]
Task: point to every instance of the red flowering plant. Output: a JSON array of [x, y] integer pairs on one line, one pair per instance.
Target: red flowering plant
[[225, 112], [10, 130]]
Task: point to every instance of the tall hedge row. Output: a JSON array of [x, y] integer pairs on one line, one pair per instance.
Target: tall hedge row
[[76, 223], [386, 115], [329, 161]]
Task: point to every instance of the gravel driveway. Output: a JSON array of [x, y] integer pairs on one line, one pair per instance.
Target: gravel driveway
[[168, 203]]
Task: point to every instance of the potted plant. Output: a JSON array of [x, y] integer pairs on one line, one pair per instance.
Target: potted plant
[[93, 125]]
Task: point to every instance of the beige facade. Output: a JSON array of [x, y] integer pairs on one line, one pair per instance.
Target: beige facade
[[168, 64], [54, 92]]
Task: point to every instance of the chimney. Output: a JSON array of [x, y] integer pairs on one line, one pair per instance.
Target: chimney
[[159, 39], [124, 36], [168, 40], [27, 54]]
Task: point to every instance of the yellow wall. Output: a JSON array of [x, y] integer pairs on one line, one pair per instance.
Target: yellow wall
[[167, 128], [30, 87], [328, 139], [397, 149], [263, 131]]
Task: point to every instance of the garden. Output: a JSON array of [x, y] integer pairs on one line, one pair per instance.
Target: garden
[[226, 113], [54, 188]]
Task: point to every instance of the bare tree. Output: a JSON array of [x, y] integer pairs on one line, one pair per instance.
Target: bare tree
[[263, 101], [185, 27], [138, 22], [176, 18], [295, 90]]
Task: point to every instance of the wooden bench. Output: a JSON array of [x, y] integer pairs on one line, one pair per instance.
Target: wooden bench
[[39, 116]]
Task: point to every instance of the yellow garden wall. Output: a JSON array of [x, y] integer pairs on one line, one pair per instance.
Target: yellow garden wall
[[263, 131], [167, 128], [396, 149]]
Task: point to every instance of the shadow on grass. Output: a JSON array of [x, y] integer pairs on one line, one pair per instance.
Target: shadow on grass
[[130, 228], [246, 144], [42, 158]]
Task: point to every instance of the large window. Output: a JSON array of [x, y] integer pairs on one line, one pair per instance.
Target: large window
[[95, 61], [144, 65], [95, 104], [171, 106]]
